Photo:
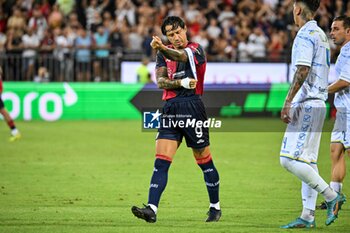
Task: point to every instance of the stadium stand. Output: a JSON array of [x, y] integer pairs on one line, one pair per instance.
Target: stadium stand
[[43, 33]]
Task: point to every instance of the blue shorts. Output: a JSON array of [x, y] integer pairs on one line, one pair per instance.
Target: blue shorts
[[183, 117]]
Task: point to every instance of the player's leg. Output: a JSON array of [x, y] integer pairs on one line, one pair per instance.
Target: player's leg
[[338, 166], [165, 152], [299, 149], [211, 178], [309, 197], [339, 141], [9, 121]]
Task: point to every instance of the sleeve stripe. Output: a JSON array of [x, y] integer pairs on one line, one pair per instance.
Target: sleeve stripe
[[304, 63], [347, 79]]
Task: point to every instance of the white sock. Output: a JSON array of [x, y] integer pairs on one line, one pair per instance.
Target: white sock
[[308, 215], [14, 132], [153, 207], [308, 194], [336, 186], [329, 194], [305, 173], [216, 205]]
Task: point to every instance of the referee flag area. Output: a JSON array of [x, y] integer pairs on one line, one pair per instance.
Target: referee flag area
[[83, 176]]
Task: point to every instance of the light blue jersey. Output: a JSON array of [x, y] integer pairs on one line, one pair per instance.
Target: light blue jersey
[[342, 69], [311, 48]]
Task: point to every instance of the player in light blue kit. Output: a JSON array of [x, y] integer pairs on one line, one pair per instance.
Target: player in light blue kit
[[304, 111], [340, 140]]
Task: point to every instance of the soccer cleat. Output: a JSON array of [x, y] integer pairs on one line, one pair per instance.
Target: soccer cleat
[[145, 213], [213, 215], [322, 206], [333, 208], [15, 137], [299, 223]]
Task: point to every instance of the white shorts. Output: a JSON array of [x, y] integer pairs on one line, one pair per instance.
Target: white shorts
[[302, 137], [341, 130]]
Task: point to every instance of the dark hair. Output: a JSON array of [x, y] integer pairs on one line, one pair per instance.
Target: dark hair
[[313, 5], [174, 21], [345, 19]]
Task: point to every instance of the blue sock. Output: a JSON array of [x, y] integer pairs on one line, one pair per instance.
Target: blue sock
[[211, 178], [158, 181]]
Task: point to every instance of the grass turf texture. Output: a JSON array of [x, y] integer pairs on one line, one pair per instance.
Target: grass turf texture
[[84, 176]]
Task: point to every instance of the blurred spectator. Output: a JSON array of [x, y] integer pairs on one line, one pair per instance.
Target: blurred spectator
[[55, 18], [126, 10], [13, 43], [83, 44], [176, 9], [38, 22], [62, 53], [92, 11], [3, 39], [202, 39], [30, 44], [212, 11], [232, 50], [42, 76], [146, 44], [45, 8], [116, 39], [73, 21], [244, 51], [66, 6], [135, 38], [145, 10], [275, 48], [192, 13], [108, 21], [3, 20], [47, 46], [143, 74], [101, 63], [213, 29], [257, 43], [225, 16], [16, 21]]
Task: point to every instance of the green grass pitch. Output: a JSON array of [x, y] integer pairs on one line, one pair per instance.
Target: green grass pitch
[[84, 176]]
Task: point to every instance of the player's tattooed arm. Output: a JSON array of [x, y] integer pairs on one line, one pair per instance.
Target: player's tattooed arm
[[174, 54], [298, 80], [164, 82]]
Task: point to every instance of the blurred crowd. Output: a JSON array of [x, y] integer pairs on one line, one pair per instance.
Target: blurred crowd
[[91, 32]]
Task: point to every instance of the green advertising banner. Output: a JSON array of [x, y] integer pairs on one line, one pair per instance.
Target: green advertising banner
[[56, 101]]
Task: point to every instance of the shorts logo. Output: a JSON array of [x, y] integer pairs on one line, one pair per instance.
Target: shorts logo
[[307, 118], [200, 141], [151, 120]]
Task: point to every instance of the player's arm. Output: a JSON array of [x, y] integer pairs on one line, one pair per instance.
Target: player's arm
[[337, 86], [298, 80], [164, 82], [172, 54]]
